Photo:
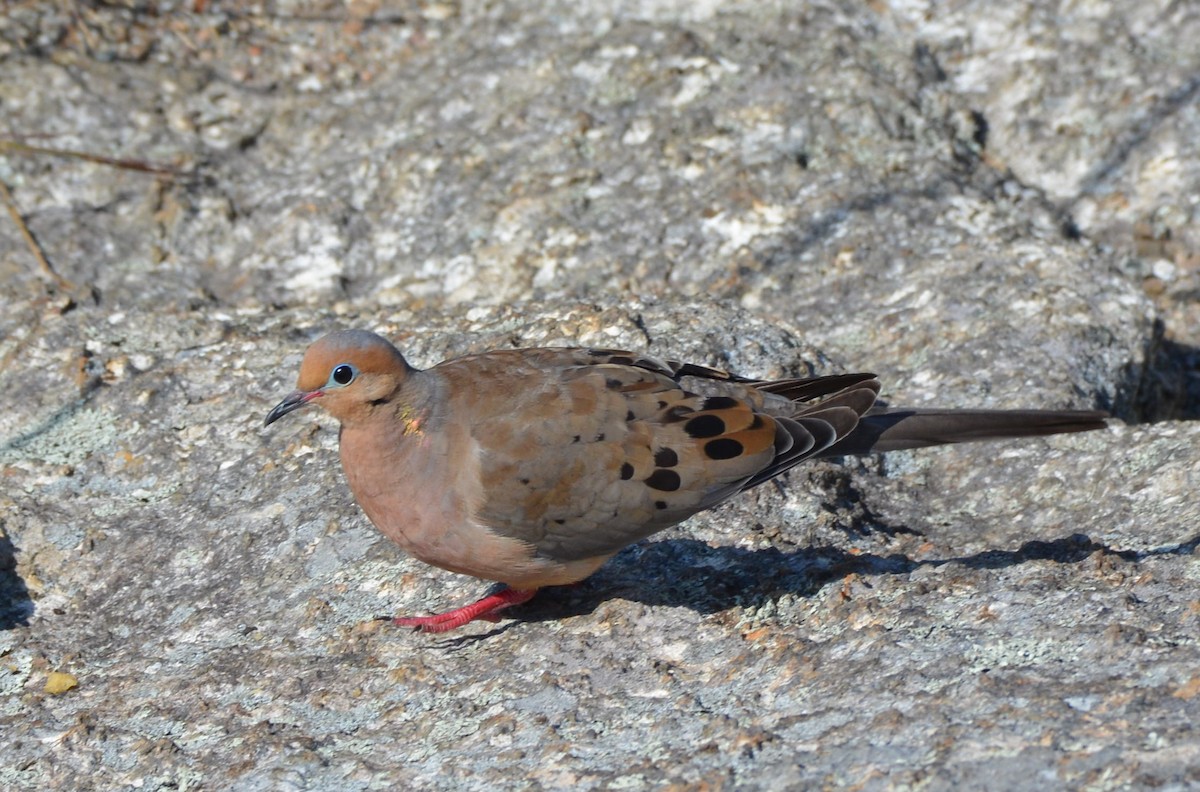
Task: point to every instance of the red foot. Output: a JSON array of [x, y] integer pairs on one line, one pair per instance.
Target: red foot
[[487, 609]]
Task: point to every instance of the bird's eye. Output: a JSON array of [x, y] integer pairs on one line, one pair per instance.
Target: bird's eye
[[343, 374]]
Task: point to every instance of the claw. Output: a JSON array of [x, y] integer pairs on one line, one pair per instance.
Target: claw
[[487, 609]]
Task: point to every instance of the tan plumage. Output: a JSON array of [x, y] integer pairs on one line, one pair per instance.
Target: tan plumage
[[532, 467]]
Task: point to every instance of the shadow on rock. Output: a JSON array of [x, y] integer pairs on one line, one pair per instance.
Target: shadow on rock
[[692, 574], [15, 605], [1167, 386]]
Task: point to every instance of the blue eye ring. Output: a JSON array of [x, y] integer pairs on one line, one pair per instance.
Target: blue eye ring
[[342, 374]]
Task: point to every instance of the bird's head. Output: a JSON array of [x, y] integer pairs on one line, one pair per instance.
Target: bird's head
[[349, 373]]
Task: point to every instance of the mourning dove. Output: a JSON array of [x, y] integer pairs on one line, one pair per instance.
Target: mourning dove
[[532, 467]]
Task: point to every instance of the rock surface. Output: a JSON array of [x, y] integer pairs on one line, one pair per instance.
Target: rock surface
[[988, 207]]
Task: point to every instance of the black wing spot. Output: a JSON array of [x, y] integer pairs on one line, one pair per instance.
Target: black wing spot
[[757, 422], [678, 413], [629, 416], [621, 360], [705, 426], [660, 505], [525, 481], [600, 437], [720, 403], [577, 438], [559, 521], [626, 472], [723, 448], [666, 457], [612, 383], [665, 480]]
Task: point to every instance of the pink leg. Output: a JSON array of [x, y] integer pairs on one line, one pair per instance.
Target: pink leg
[[487, 608]]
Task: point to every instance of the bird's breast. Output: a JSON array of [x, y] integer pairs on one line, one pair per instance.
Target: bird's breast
[[422, 490]]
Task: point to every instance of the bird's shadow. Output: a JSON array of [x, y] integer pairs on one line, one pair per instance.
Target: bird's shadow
[[692, 574], [16, 606]]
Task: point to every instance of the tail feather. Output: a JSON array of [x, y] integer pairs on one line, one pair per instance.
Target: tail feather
[[899, 429]]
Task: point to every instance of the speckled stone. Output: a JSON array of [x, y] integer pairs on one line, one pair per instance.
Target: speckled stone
[[970, 201]]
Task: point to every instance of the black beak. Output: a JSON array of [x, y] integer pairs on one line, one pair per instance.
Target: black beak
[[293, 401]]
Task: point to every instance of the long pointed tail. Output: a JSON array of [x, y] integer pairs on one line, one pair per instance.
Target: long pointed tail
[[897, 429]]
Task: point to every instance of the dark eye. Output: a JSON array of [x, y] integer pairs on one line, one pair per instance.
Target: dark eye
[[343, 374]]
